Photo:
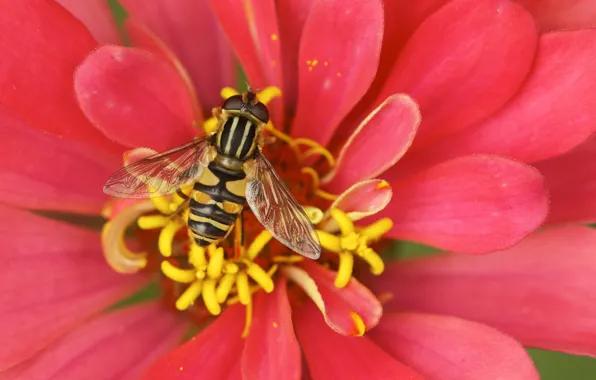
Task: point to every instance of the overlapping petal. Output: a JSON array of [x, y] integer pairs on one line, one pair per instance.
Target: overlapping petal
[[53, 277], [474, 66], [540, 291], [213, 353], [42, 171], [364, 199], [351, 310], [473, 204], [571, 181], [191, 32], [377, 144], [37, 68], [271, 350], [562, 14], [343, 357], [339, 56], [118, 345], [448, 348], [135, 98], [97, 17]]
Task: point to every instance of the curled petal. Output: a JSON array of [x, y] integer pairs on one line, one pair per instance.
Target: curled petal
[[562, 14], [51, 284], [472, 70], [339, 56], [118, 345], [377, 144], [333, 356], [97, 17], [211, 353], [448, 348], [135, 98], [271, 350], [540, 291], [351, 310], [473, 204], [36, 73], [190, 33]]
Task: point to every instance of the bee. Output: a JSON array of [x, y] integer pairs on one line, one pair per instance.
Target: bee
[[227, 170]]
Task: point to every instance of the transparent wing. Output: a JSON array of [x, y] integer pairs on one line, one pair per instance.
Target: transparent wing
[[278, 211], [160, 174]]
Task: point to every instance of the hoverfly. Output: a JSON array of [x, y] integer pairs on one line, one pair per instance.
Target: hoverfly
[[228, 170]]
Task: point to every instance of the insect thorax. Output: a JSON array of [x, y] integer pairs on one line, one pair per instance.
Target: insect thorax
[[237, 138]]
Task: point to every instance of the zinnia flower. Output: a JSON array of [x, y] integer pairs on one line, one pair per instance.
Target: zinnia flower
[[446, 101]]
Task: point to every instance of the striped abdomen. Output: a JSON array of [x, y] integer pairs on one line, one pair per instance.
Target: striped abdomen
[[215, 203], [237, 138]]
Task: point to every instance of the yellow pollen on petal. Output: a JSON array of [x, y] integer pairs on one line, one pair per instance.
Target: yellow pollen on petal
[[358, 324], [274, 37], [383, 185], [166, 236]]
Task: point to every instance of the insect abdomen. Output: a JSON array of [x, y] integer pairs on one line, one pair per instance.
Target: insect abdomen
[[216, 201]]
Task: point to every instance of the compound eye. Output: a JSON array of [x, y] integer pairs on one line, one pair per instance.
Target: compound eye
[[233, 103], [261, 112]]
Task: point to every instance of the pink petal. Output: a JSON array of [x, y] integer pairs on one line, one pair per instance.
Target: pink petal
[[271, 350], [37, 68], [333, 356], [42, 171], [553, 112], [562, 14], [377, 144], [97, 17], [53, 277], [474, 204], [291, 15], [448, 348], [118, 345], [135, 98], [191, 32], [541, 291], [475, 65], [337, 305], [571, 181], [344, 39], [211, 354]]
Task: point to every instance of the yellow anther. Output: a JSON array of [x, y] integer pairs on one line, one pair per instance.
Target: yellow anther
[[216, 261], [196, 256], [189, 296], [359, 325], [166, 236], [344, 270], [314, 214], [377, 266], [242, 288], [248, 320], [227, 92], [225, 286], [292, 259], [185, 276], [269, 93], [329, 241], [260, 276], [209, 297], [258, 244], [162, 204], [345, 224], [383, 185], [377, 229], [150, 222], [210, 125]]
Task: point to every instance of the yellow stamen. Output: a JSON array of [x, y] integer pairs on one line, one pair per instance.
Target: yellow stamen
[[184, 276], [150, 222], [210, 125], [189, 296], [316, 148], [325, 195], [166, 236], [209, 296], [345, 224], [227, 92], [358, 323], [196, 256], [377, 229], [216, 261], [161, 204], [329, 241], [314, 214], [292, 259], [313, 174], [260, 276], [248, 320], [243, 288], [344, 272], [224, 287], [258, 244], [269, 93]]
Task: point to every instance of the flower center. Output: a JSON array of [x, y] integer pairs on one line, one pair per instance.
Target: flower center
[[247, 260]]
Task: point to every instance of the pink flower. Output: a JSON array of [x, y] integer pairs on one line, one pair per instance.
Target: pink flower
[[448, 101]]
